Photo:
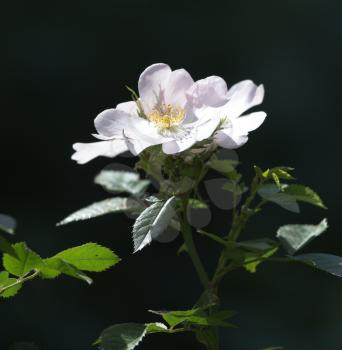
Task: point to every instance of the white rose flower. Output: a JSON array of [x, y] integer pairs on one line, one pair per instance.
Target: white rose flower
[[174, 111]]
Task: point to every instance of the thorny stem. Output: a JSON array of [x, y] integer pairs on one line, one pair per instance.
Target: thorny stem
[[20, 280]]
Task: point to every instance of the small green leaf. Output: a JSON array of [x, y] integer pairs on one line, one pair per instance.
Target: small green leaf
[[52, 267], [197, 204], [125, 336], [225, 166], [6, 281], [107, 206], [304, 194], [260, 245], [26, 260], [6, 247], [7, 223], [273, 193], [196, 316], [156, 327], [208, 337], [326, 262], [294, 237], [250, 254], [89, 257], [122, 181], [152, 222]]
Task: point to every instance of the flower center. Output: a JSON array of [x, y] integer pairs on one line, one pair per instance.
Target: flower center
[[166, 116]]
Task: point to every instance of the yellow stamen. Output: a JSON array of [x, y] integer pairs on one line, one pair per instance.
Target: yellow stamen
[[166, 116]]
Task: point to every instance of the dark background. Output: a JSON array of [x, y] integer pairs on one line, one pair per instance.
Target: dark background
[[63, 62]]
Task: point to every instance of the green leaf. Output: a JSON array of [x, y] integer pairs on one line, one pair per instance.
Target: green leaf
[[197, 204], [125, 336], [208, 337], [326, 262], [196, 316], [251, 261], [26, 260], [250, 254], [6, 247], [122, 181], [260, 245], [110, 205], [273, 194], [7, 223], [273, 348], [89, 257], [226, 167], [276, 173], [152, 222], [6, 281], [52, 267], [156, 327], [233, 187], [304, 194], [294, 237]]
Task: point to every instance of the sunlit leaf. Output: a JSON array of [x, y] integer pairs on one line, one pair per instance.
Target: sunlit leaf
[[89, 257], [26, 260], [197, 316], [6, 281], [152, 222], [107, 206], [326, 262], [125, 336], [121, 181], [294, 237], [7, 223]]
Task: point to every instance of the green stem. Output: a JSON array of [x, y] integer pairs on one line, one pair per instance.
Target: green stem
[[20, 280], [239, 222], [190, 246]]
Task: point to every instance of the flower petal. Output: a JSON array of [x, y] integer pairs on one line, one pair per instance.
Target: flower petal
[[248, 122], [180, 145], [152, 83], [110, 122], [226, 139], [211, 91], [243, 96], [236, 134], [140, 134], [129, 107], [179, 82], [88, 151]]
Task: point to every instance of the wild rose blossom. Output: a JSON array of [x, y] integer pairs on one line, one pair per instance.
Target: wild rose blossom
[[175, 112]]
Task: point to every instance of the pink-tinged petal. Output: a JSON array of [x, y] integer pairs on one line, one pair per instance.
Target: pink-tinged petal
[[227, 139], [110, 122], [129, 107], [211, 91], [152, 83], [88, 151], [179, 82], [243, 96]]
